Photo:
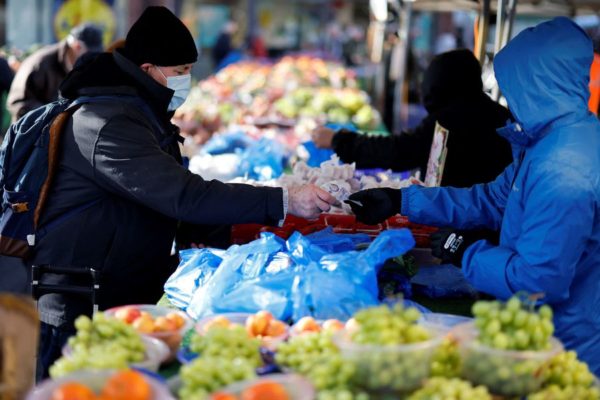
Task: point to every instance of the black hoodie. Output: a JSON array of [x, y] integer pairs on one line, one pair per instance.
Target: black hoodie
[[453, 96]]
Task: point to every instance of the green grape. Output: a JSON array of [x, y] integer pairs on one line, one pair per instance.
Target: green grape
[[230, 342], [446, 360], [341, 394], [450, 389], [382, 363], [554, 392], [566, 370], [316, 356], [516, 326], [205, 375], [101, 343]]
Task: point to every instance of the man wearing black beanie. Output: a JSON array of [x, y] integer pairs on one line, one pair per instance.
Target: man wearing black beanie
[[120, 189]]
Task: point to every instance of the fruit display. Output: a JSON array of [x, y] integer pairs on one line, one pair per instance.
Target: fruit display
[[446, 361], [566, 370], [456, 389], [227, 342], [159, 322], [205, 375], [283, 102], [508, 346], [392, 354], [101, 343], [262, 325]]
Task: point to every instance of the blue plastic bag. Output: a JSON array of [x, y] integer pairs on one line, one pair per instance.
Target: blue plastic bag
[[195, 268], [332, 242], [340, 284], [315, 155], [263, 160], [229, 142]]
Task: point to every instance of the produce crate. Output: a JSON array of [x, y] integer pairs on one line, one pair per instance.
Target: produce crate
[[341, 223]]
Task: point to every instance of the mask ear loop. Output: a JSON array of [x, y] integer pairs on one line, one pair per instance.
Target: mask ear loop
[[159, 70]]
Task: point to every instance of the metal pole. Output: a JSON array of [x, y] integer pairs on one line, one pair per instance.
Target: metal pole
[[484, 26], [500, 22], [510, 21], [403, 33]]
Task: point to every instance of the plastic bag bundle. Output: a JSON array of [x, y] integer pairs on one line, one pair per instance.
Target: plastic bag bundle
[[290, 279]]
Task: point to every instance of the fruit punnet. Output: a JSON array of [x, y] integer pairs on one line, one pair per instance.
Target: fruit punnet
[[389, 350], [513, 345], [145, 323], [123, 385], [101, 343], [228, 342]]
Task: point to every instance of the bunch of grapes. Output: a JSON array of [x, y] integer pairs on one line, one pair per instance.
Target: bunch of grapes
[[101, 343], [385, 325], [511, 326], [205, 375], [566, 370], [514, 326], [446, 361], [456, 389], [227, 342], [315, 356], [390, 352], [554, 392]]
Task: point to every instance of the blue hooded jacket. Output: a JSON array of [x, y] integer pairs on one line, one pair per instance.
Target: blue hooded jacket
[[546, 203]]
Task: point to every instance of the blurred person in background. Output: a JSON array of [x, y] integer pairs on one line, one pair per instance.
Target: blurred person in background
[[453, 96], [6, 77], [223, 45], [37, 81]]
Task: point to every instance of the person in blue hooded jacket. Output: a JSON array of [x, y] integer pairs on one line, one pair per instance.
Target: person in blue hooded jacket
[[546, 203]]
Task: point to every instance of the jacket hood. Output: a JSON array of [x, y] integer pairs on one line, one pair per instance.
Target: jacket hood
[[113, 73], [451, 77], [544, 73]]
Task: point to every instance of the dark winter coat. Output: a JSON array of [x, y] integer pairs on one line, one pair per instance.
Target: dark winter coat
[[112, 158], [37, 81], [453, 96]]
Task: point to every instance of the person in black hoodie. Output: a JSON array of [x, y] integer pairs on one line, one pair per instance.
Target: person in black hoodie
[[453, 96], [120, 189]]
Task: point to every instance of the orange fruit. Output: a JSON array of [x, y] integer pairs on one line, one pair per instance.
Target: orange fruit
[[127, 385], [266, 390], [73, 391], [223, 396]]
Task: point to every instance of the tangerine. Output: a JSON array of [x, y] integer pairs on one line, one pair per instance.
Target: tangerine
[[73, 391], [266, 390], [127, 385]]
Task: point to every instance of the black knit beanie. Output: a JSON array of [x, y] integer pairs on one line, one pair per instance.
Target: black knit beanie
[[159, 37]]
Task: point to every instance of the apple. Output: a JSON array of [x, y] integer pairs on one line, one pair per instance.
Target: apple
[[177, 319], [276, 328], [128, 314], [144, 324], [219, 321], [163, 324], [333, 325], [307, 324], [351, 325]]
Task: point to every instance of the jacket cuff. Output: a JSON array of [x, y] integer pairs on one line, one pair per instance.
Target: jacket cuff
[[276, 206], [484, 266]]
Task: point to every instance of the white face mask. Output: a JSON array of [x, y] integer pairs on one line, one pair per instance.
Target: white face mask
[[181, 85]]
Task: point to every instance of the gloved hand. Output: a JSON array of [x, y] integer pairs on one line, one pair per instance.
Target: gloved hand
[[373, 206], [450, 245]]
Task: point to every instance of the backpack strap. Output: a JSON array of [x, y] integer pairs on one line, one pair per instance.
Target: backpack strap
[[56, 128]]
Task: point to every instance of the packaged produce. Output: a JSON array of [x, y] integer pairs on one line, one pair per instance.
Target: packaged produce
[[273, 387]]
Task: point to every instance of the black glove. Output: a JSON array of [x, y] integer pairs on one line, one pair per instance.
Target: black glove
[[373, 206], [449, 244]]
